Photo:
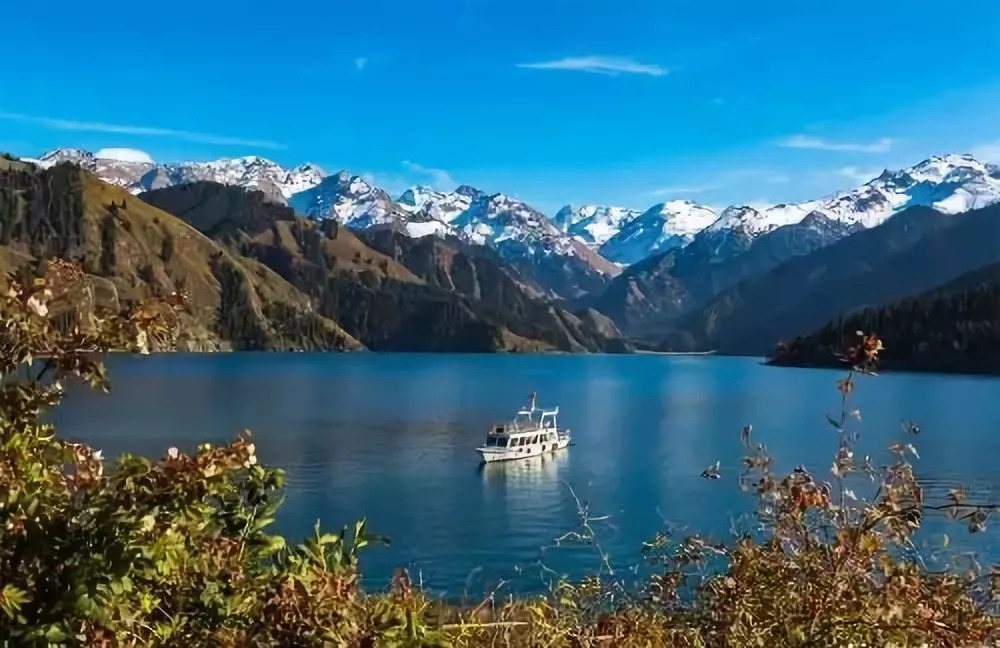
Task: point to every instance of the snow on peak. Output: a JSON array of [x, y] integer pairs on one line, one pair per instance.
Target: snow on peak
[[300, 178], [662, 227], [124, 155], [432, 204], [593, 225], [469, 192], [511, 226], [945, 168], [74, 155], [418, 196], [137, 172], [350, 200], [755, 221], [948, 183]]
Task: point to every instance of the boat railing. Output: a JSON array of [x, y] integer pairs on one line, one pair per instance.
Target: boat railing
[[512, 428]]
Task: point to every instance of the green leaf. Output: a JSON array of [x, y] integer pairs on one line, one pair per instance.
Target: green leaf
[[274, 544], [328, 538], [56, 634]]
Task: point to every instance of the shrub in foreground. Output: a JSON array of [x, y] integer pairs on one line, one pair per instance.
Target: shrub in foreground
[[176, 551]]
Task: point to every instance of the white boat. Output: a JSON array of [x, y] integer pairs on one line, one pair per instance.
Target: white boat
[[533, 432]]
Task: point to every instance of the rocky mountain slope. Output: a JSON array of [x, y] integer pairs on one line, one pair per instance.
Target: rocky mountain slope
[[593, 224], [522, 235], [911, 252], [375, 296], [660, 228], [137, 173], [649, 294], [131, 250], [954, 327], [351, 201], [443, 206], [526, 238], [481, 274]]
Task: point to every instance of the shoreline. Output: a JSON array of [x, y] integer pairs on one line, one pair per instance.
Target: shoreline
[[677, 353]]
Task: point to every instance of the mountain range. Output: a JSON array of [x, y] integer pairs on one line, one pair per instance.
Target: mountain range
[[676, 276], [950, 183], [745, 242], [261, 276], [912, 252], [138, 175]]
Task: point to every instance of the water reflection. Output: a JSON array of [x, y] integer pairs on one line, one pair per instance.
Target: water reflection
[[392, 438], [524, 473]]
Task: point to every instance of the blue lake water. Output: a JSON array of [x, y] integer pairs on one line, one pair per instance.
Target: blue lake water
[[391, 437]]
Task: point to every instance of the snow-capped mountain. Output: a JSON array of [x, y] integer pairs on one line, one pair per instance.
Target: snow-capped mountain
[[511, 226], [350, 200], [950, 184], [660, 228], [444, 206], [593, 224], [529, 239], [112, 167], [137, 172]]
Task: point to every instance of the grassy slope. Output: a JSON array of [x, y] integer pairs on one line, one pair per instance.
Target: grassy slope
[[142, 251]]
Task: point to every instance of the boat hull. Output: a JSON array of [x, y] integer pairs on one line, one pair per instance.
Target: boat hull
[[494, 454]]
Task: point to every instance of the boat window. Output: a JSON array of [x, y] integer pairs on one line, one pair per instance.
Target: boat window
[[534, 439], [501, 443], [491, 441]]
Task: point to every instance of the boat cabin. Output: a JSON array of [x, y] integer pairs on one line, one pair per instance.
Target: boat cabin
[[526, 429]]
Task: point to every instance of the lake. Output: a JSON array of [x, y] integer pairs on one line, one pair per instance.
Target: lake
[[391, 437]]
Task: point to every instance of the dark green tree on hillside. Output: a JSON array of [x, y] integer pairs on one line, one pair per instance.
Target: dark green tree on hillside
[[953, 328]]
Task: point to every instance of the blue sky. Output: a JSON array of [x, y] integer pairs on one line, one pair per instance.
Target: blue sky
[[620, 102]]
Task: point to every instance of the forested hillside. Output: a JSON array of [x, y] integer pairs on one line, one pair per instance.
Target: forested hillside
[[955, 327]]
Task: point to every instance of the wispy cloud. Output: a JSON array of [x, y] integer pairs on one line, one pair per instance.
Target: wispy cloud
[[395, 181], [439, 178], [722, 180], [989, 151], [610, 65], [857, 175], [810, 142], [360, 63], [121, 129], [681, 190]]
